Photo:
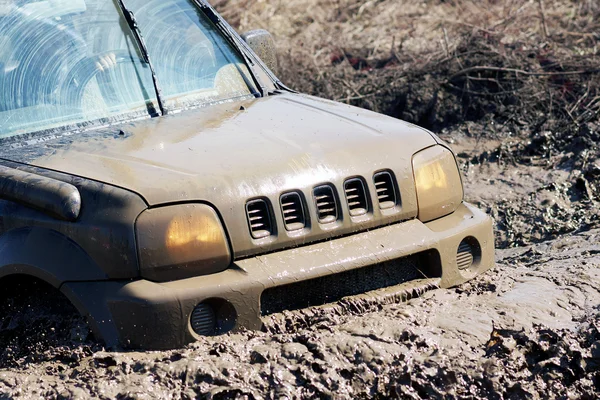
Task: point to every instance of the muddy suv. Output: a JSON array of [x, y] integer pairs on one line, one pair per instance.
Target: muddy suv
[[156, 172]]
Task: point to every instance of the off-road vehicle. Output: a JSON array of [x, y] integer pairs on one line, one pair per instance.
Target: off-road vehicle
[[155, 170]]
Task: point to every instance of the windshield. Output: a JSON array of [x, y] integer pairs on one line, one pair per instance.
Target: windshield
[[74, 62]]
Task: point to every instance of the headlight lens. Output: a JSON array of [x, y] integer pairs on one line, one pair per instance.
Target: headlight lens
[[179, 242], [439, 187]]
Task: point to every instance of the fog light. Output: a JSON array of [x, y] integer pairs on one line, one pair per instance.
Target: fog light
[[203, 320], [468, 254]]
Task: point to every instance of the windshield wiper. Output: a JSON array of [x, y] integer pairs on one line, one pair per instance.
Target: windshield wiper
[[135, 29], [210, 12]]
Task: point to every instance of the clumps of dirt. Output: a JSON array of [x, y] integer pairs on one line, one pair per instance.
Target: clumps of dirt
[[516, 365], [38, 324], [556, 176], [555, 358]]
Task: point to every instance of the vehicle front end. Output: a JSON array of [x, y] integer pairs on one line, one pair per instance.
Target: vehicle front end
[[274, 224], [172, 191]]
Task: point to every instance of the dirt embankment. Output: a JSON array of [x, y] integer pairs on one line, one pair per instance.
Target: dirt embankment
[[515, 90]]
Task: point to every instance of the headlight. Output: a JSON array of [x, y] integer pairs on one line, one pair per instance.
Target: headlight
[[179, 242], [439, 187]]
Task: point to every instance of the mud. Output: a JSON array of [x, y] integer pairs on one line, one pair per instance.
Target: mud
[[531, 327], [528, 328]]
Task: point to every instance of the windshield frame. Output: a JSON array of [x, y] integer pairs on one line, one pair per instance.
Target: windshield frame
[[248, 57], [240, 45]]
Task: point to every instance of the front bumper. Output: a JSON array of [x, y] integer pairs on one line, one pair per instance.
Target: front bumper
[[144, 314]]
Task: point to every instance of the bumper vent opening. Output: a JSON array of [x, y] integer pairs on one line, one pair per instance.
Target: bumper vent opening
[[356, 195], [292, 208], [213, 317], [203, 320], [386, 190], [259, 218], [468, 253], [325, 199], [332, 288]]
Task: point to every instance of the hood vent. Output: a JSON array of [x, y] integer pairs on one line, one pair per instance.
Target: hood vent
[[259, 218], [386, 190], [293, 211], [327, 210], [356, 195]]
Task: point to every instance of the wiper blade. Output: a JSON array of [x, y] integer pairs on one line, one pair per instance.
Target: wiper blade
[[135, 29], [210, 12]]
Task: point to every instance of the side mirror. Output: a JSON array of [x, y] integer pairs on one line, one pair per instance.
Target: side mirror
[[262, 43]]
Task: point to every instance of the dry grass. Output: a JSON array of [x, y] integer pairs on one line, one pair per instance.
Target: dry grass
[[437, 62]]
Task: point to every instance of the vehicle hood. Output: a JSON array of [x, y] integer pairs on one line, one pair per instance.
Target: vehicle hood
[[232, 152]]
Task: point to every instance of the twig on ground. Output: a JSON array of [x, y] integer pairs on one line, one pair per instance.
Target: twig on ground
[[475, 93], [543, 15], [455, 22], [446, 41], [581, 99], [484, 68]]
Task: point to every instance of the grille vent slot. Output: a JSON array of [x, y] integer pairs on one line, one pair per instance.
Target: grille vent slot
[[259, 218], [293, 211], [327, 209], [386, 190], [356, 195]]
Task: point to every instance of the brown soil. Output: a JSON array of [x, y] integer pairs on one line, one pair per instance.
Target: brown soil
[[516, 93]]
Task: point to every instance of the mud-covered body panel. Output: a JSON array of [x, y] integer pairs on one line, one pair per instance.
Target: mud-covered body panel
[[163, 310], [223, 156], [226, 154], [103, 233], [106, 185]]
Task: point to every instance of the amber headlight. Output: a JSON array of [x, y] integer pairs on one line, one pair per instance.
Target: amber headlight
[[182, 241], [439, 187]]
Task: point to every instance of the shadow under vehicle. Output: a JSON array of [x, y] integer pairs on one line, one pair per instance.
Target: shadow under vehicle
[[156, 172]]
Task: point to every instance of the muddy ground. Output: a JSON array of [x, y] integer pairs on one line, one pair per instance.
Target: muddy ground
[[529, 327], [530, 157]]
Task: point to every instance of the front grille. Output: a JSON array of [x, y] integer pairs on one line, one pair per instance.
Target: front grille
[[259, 218], [356, 195], [331, 288], [293, 211], [386, 190], [325, 201]]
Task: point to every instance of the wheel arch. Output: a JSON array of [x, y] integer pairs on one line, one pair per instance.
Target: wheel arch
[[47, 255]]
